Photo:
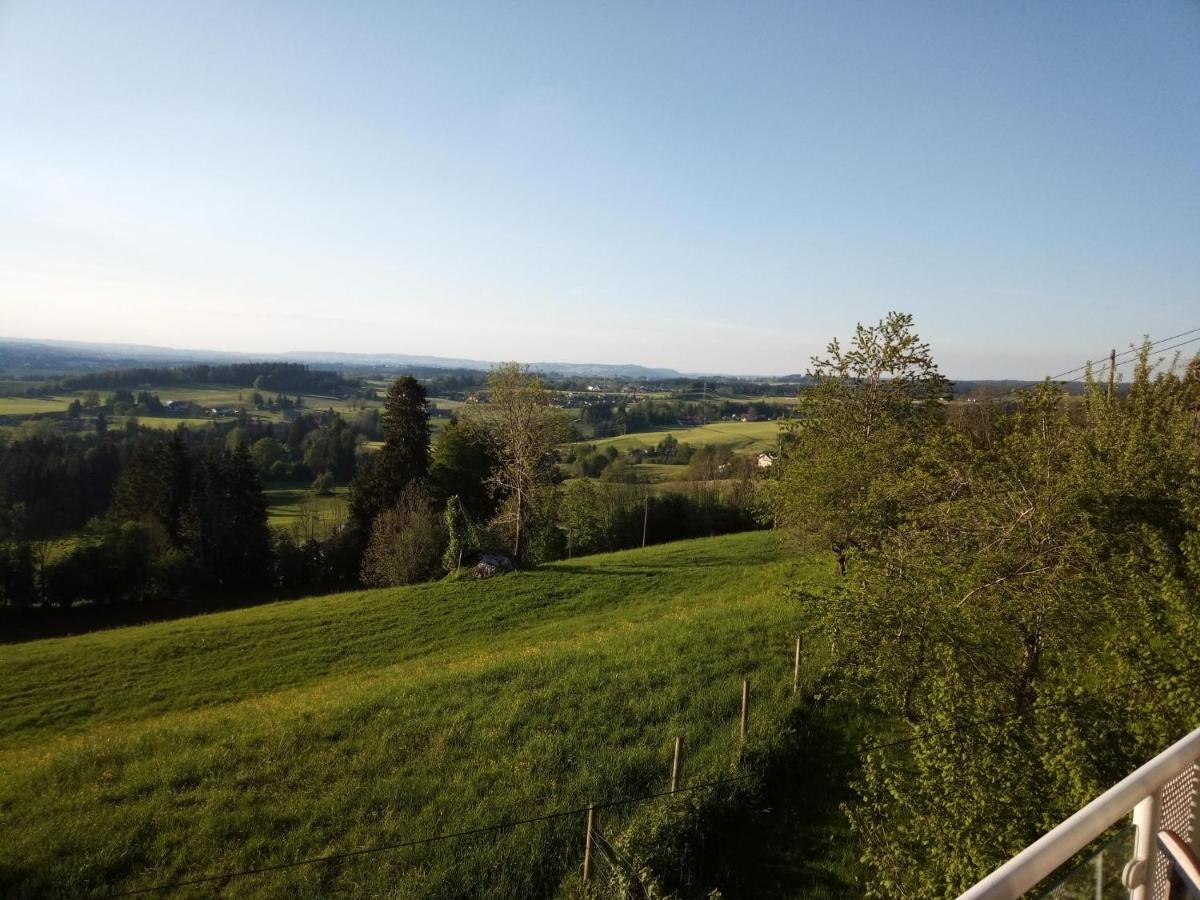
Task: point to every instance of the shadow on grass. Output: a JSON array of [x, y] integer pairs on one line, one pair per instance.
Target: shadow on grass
[[796, 841], [623, 571], [21, 624]]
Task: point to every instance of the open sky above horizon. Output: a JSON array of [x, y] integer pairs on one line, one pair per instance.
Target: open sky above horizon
[[703, 186]]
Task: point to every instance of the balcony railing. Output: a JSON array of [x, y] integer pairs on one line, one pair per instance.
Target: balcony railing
[[1163, 795]]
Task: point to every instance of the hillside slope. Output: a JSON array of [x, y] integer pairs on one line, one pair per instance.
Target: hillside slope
[[242, 739]]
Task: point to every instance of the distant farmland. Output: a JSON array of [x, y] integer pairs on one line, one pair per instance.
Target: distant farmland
[[745, 437]]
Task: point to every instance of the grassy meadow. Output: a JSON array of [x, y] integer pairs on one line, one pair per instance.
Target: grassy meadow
[[30, 406], [288, 504], [261, 736], [743, 437]]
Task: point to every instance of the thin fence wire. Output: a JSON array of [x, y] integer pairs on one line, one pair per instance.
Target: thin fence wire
[[612, 803]]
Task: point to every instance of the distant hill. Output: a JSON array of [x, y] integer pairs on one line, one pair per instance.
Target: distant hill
[[18, 355]]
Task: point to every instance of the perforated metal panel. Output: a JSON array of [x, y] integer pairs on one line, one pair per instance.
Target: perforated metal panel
[[1180, 801]]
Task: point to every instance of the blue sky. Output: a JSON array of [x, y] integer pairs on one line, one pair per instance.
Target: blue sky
[[707, 186]]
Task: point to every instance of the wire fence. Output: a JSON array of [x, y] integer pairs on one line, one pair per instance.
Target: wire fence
[[618, 874]]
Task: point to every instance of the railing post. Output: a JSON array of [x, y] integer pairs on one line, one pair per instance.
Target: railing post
[[1139, 873]]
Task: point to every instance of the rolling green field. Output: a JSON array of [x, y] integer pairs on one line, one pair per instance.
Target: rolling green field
[[287, 502], [744, 437], [29, 406], [263, 736], [168, 423]]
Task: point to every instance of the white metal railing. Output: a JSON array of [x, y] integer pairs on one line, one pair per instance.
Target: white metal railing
[[1163, 793]]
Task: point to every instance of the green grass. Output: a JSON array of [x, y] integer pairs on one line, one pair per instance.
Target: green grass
[[29, 406], [168, 423], [286, 504], [744, 437], [151, 753]]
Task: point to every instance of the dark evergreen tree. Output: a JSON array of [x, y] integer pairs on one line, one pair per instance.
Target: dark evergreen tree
[[224, 527], [155, 486], [404, 457], [16, 575]]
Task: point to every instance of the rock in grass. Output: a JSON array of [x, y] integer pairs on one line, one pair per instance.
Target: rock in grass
[[492, 564]]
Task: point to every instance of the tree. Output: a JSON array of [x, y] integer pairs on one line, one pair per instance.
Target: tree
[[1058, 551], [224, 528], [461, 537], [583, 517], [265, 452], [527, 430], [858, 424], [464, 457], [324, 484], [404, 457], [17, 586], [156, 486], [332, 448]]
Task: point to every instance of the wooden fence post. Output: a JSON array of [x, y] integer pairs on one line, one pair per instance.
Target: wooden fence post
[[796, 668], [587, 846], [675, 764], [745, 706]]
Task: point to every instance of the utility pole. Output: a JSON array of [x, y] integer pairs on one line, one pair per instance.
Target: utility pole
[[1112, 374]]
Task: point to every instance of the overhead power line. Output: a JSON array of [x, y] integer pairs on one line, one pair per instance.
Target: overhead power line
[[1132, 353], [1103, 370], [1129, 352]]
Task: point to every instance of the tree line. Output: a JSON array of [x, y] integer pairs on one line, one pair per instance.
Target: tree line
[[632, 416], [266, 376]]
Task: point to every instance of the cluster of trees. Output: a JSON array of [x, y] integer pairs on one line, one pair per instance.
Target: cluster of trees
[[707, 463], [627, 417], [488, 483], [278, 402], [671, 451], [263, 376], [737, 386], [54, 483], [492, 483], [306, 448], [1032, 568], [588, 462], [181, 524], [598, 516]]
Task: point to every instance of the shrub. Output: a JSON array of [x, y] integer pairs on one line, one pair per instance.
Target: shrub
[[406, 542], [324, 484]]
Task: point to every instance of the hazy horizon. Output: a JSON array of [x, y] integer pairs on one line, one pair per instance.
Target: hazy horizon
[[704, 188], [1126, 357]]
